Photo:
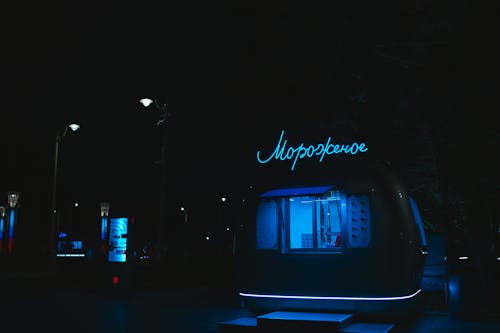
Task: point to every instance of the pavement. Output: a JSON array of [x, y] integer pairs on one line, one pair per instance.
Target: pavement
[[44, 302]]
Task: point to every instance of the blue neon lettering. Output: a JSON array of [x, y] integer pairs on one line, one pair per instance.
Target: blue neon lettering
[[325, 148], [362, 147], [344, 149], [296, 155], [310, 151], [354, 151], [276, 152], [280, 153], [300, 152], [330, 147], [319, 150]]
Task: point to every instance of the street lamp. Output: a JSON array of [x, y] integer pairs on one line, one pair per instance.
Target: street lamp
[[146, 102], [162, 124], [162, 108], [54, 226]]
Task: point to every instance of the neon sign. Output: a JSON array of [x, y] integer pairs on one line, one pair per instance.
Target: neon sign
[[281, 151]]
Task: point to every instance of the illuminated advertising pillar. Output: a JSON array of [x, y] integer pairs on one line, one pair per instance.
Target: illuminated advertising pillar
[[118, 268], [13, 198], [117, 244], [2, 227]]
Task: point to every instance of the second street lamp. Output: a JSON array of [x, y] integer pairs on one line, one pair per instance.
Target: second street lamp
[[54, 225], [162, 124]]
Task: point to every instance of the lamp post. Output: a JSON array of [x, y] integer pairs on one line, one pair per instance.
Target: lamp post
[[54, 226], [162, 124]]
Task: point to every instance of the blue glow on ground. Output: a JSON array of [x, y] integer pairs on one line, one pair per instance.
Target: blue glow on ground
[[244, 321], [392, 298], [302, 151]]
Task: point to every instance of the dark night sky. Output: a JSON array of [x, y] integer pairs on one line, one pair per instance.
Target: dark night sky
[[235, 75]]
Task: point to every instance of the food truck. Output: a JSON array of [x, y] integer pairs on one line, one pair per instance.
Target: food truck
[[348, 239]]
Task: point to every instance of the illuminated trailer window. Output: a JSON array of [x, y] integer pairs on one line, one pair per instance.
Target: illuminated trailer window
[[301, 216], [329, 222], [314, 222], [305, 223]]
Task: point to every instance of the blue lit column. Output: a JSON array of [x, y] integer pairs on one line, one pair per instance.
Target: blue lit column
[[104, 227], [2, 227], [13, 198]]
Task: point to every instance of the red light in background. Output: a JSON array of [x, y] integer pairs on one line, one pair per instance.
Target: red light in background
[[10, 244], [116, 280]]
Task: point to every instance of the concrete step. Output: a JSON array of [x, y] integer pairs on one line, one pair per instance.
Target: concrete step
[[293, 321]]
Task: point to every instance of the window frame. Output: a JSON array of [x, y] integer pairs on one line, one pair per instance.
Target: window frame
[[284, 220]]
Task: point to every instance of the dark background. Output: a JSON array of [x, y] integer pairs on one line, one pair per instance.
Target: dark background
[[416, 80]]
